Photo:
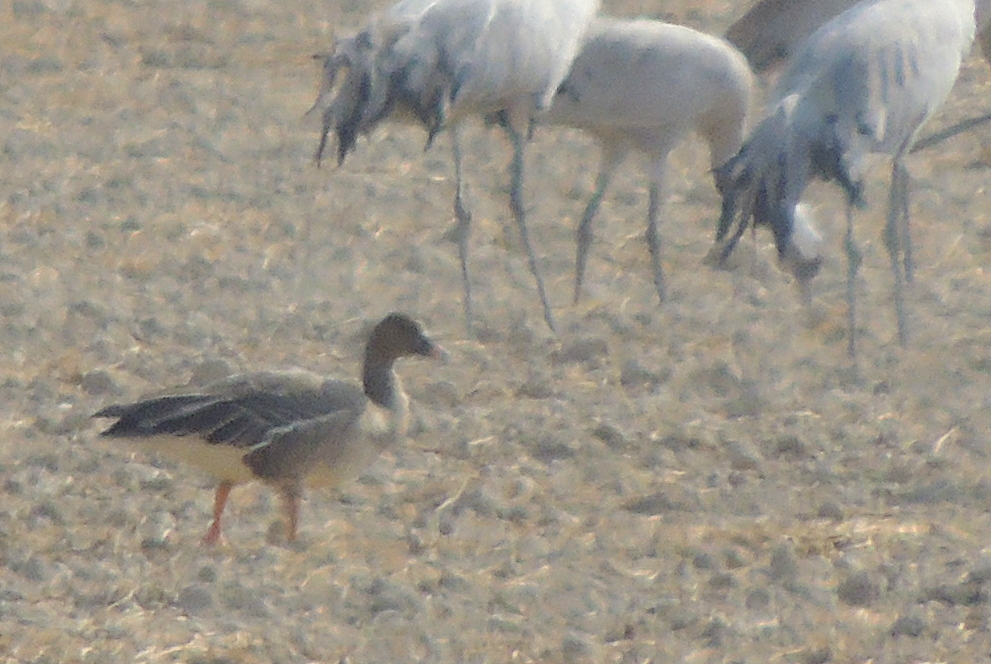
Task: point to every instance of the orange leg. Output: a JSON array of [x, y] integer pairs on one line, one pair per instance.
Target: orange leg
[[290, 504], [214, 534]]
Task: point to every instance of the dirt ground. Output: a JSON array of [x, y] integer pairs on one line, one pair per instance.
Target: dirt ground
[[706, 481]]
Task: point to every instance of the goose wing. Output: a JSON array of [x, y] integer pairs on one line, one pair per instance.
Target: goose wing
[[242, 411]]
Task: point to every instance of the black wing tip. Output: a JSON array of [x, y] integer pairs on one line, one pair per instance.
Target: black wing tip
[[116, 431], [113, 410], [121, 429]]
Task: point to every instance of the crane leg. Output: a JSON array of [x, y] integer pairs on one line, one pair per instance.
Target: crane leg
[[653, 236], [583, 236], [462, 231], [895, 230], [908, 260], [518, 140], [854, 258]]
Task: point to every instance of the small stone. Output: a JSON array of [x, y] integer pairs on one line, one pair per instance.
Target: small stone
[[149, 329], [574, 647], [609, 434], [33, 569], [415, 261], [976, 619], [581, 350], [440, 393], [747, 402], [48, 510], [661, 502], [757, 599], [144, 476], [958, 594], [860, 589], [723, 581], [548, 449], [477, 500], [633, 374], [194, 599], [741, 458], [210, 371], [244, 599], [736, 478], [714, 632], [783, 566], [734, 559], [819, 655], [536, 387], [504, 624], [910, 625], [703, 560], [981, 572], [53, 426], [157, 530], [158, 480], [454, 582], [830, 510], [98, 381], [416, 543], [516, 514], [681, 441], [624, 632], [389, 596], [788, 446]]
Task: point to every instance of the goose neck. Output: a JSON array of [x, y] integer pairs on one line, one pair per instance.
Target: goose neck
[[379, 382]]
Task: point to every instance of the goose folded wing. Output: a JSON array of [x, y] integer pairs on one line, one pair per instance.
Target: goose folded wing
[[241, 412], [329, 442]]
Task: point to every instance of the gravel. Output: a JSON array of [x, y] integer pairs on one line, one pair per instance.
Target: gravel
[[703, 481]]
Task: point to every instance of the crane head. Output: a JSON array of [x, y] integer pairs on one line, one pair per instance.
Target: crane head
[[800, 245]]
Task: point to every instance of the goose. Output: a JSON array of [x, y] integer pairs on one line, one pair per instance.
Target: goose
[[281, 427]]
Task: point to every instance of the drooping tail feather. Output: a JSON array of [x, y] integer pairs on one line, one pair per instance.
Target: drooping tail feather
[[749, 182], [342, 103], [763, 186], [390, 70]]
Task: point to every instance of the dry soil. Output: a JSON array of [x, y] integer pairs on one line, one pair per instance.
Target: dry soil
[[704, 481]]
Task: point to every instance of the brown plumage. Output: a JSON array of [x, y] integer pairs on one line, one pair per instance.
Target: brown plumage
[[284, 427]]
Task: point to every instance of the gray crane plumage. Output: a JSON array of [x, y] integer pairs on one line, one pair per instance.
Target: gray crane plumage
[[771, 31], [436, 62], [863, 83], [643, 85]]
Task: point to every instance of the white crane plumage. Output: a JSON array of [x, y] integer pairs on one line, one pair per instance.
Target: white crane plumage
[[643, 85], [439, 61], [863, 83]]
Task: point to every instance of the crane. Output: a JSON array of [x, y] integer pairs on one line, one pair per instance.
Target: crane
[[643, 85], [437, 62], [771, 31], [864, 83]]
